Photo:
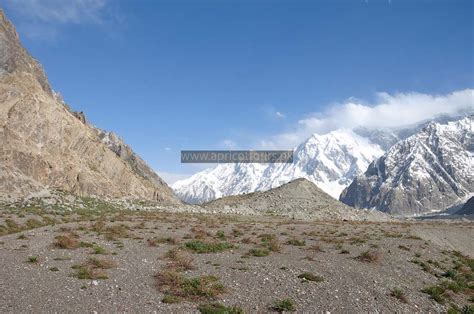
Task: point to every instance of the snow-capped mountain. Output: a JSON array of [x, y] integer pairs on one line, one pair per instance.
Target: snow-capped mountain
[[331, 161], [431, 170]]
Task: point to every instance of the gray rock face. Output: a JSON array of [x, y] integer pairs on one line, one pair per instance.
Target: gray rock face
[[44, 145], [14, 58], [429, 171], [468, 208]]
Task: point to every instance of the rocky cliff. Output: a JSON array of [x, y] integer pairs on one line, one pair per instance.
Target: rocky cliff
[[44, 145], [429, 171], [468, 208]]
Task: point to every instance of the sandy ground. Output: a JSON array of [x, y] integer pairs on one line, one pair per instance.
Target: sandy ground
[[404, 256]]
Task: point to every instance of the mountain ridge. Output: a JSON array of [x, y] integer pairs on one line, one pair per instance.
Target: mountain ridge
[[45, 145], [330, 161], [429, 171]]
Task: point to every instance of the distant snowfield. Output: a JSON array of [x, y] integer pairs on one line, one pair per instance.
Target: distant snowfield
[[330, 161]]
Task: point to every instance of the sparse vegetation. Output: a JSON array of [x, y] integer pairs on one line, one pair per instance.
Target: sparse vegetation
[[33, 259], [88, 272], [207, 247], [296, 242], [283, 305], [101, 263], [169, 299], [116, 232], [179, 261], [216, 308], [370, 256], [399, 294], [436, 293], [66, 241], [310, 277], [197, 288], [259, 252], [98, 249]]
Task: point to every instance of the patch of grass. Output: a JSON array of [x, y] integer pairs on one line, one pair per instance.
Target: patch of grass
[[237, 233], [310, 277], [216, 308], [343, 251], [399, 294], [249, 240], [197, 288], [283, 305], [33, 259], [54, 269], [296, 242], [116, 232], [179, 261], [169, 299], [220, 235], [271, 242], [86, 244], [101, 263], [12, 226], [357, 241], [89, 272], [370, 256], [156, 241], [22, 237], [199, 233], [66, 241], [259, 252], [98, 249], [436, 293], [426, 267], [198, 246], [33, 223]]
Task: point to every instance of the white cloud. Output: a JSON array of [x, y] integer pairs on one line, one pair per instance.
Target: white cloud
[[168, 149], [60, 11], [44, 19], [388, 111], [280, 115]]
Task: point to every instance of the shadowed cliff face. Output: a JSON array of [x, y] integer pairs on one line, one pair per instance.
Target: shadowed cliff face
[[43, 144]]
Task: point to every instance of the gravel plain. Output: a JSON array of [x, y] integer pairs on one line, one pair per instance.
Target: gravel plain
[[255, 262]]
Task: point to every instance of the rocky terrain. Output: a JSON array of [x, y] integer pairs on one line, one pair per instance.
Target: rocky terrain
[[468, 208], [330, 161], [46, 146], [430, 171], [108, 260], [300, 199]]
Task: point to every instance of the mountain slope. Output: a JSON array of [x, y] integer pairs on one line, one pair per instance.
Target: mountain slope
[[429, 171], [44, 145], [299, 199], [330, 161], [468, 208]]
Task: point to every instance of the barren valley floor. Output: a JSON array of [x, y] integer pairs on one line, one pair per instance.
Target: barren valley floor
[[136, 261]]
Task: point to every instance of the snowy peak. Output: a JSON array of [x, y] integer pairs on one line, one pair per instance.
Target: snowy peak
[[330, 161], [429, 171]]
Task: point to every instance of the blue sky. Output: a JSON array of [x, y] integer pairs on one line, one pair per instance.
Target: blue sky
[[172, 75]]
